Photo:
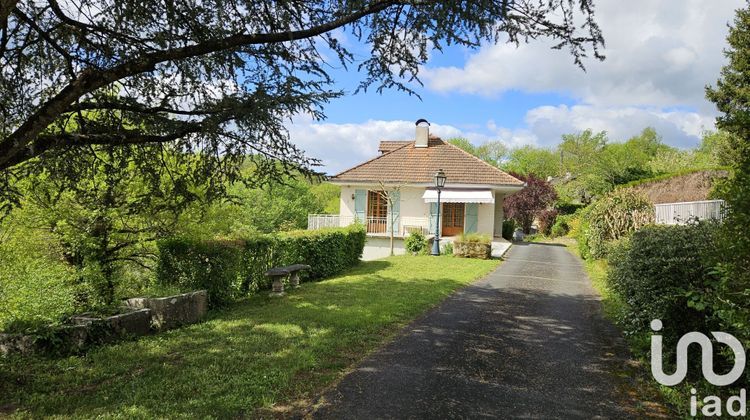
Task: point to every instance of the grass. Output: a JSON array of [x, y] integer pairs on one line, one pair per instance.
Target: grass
[[612, 304], [261, 357]]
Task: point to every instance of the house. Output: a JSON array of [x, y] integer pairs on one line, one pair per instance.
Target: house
[[395, 191]]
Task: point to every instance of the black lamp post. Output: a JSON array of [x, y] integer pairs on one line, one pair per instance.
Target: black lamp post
[[439, 184]]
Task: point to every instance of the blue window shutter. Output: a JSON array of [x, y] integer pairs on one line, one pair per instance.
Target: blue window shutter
[[433, 217], [472, 216], [360, 202], [395, 211]]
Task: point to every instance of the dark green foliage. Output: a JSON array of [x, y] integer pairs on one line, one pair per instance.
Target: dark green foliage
[[508, 227], [566, 207], [191, 264], [416, 243], [546, 221], [561, 226], [230, 269], [221, 78], [732, 97], [327, 251], [261, 253], [664, 272]]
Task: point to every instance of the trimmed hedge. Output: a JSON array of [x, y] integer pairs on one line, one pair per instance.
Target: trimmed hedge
[[231, 269], [192, 264]]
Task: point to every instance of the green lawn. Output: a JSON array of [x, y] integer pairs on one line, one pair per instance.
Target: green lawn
[[259, 355]]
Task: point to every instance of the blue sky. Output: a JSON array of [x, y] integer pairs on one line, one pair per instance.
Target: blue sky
[[660, 56]]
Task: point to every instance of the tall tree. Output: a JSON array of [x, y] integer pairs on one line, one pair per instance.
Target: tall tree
[[530, 160], [223, 78], [732, 97], [493, 152]]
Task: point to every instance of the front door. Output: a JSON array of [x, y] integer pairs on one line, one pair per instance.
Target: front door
[[453, 219]]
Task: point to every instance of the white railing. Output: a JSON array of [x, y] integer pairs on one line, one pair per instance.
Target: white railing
[[681, 213], [374, 225]]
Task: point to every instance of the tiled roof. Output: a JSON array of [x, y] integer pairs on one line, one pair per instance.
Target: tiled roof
[[391, 145], [411, 164]]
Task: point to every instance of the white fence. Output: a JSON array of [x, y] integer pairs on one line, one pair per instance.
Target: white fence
[[374, 225], [681, 213]]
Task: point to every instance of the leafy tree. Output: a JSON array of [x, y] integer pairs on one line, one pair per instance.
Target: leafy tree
[[718, 148], [223, 78], [525, 205], [109, 215], [530, 160], [492, 152], [598, 165], [732, 97]]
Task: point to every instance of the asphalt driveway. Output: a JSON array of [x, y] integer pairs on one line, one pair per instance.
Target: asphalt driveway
[[528, 341]]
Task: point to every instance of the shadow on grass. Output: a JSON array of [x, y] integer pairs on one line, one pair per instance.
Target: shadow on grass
[[256, 353]]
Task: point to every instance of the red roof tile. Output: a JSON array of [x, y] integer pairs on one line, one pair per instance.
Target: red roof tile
[[402, 162]]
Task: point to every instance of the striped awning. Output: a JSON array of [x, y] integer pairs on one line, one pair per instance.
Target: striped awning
[[459, 196]]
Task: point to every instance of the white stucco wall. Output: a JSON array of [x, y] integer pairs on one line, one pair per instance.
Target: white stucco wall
[[485, 218], [499, 215], [346, 202], [412, 205]]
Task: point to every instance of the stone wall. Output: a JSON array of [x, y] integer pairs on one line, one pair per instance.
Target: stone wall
[[472, 250], [173, 311]]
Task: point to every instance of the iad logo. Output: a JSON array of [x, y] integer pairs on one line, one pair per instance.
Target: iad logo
[[712, 405], [707, 357]]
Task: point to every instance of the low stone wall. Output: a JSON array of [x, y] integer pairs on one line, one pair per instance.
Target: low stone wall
[[86, 330], [173, 311], [472, 250], [137, 322]]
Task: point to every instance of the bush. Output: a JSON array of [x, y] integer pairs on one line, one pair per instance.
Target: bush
[[546, 220], [561, 226], [447, 248], [36, 286], [663, 272], [229, 269], [415, 243], [612, 217], [509, 226], [191, 264], [327, 251]]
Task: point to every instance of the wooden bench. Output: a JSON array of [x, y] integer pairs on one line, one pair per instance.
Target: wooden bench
[[277, 275]]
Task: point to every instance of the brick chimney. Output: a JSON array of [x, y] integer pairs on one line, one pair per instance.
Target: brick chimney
[[423, 133]]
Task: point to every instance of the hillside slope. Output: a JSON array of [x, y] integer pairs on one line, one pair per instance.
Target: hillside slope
[[693, 186]]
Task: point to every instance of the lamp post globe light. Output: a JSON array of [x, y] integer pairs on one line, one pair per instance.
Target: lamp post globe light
[[439, 184]]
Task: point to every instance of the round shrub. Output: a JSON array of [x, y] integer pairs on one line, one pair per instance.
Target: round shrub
[[415, 243], [659, 271]]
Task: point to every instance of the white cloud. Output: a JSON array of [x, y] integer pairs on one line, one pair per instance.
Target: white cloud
[[341, 146], [659, 53], [678, 128]]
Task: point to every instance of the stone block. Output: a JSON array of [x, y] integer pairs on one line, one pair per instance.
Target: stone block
[[173, 311]]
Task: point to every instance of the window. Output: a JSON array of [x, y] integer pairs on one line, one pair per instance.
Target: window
[[377, 212]]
